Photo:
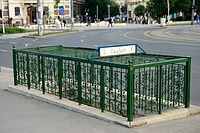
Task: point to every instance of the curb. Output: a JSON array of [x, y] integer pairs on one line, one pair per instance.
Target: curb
[[6, 68], [150, 34], [106, 116], [52, 34]]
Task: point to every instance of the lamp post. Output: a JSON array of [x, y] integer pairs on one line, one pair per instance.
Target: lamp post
[[168, 11], [192, 19], [72, 16], [108, 11], [97, 13], [2, 17], [40, 32]]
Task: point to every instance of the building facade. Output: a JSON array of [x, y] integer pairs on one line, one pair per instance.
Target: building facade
[[120, 2], [25, 11], [132, 4]]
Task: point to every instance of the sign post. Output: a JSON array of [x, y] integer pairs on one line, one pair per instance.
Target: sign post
[[40, 10], [2, 17]]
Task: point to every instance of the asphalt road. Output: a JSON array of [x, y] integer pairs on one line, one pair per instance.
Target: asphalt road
[[101, 37], [22, 114]]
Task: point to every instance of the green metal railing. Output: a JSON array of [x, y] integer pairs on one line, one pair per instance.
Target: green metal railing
[[128, 85]]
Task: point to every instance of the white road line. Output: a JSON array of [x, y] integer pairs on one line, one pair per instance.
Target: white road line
[[82, 40], [169, 41], [27, 44], [13, 42], [2, 50], [35, 40]]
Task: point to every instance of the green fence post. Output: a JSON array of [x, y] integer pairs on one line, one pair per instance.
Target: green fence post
[[160, 90], [14, 66], [92, 74], [39, 75], [60, 76], [43, 75], [187, 92], [130, 92], [102, 90], [28, 72], [79, 84]]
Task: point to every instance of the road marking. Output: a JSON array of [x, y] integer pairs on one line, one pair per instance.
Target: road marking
[[13, 42], [35, 40], [2, 50], [27, 44], [169, 41], [82, 40]]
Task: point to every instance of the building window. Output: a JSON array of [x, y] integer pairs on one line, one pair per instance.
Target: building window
[[17, 11]]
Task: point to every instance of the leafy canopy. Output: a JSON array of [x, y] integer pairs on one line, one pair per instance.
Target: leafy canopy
[[90, 6], [160, 8]]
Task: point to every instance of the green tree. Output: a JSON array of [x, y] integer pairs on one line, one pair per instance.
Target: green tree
[[159, 8], [124, 9], [140, 10], [182, 6], [198, 6], [56, 3], [90, 5]]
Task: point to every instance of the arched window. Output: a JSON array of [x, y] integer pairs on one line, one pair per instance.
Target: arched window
[[17, 11]]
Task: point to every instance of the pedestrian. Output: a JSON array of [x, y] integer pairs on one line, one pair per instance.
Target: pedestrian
[[64, 22], [110, 22], [198, 19], [138, 20], [151, 20], [89, 21]]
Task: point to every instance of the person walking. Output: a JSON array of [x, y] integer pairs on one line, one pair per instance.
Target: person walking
[[64, 22], [110, 22], [198, 19]]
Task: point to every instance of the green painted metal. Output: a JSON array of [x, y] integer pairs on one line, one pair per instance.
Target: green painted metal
[[60, 76], [130, 93], [125, 85], [160, 89], [14, 66], [43, 75], [102, 89], [187, 91], [79, 84], [28, 72]]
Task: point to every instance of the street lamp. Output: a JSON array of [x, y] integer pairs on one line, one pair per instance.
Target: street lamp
[[168, 11], [193, 4], [97, 18], [108, 11], [40, 32], [72, 16], [2, 17]]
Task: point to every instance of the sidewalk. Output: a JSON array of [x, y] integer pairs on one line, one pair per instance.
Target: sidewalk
[[189, 33], [6, 78]]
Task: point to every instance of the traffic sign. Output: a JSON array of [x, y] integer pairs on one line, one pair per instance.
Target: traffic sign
[[61, 9]]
